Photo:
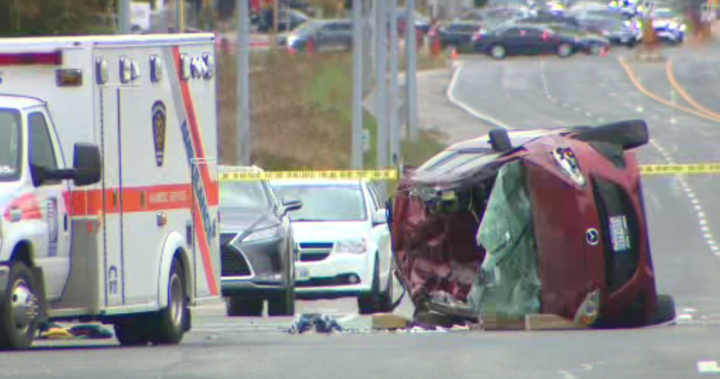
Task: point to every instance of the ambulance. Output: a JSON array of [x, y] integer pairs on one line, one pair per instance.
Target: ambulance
[[108, 184]]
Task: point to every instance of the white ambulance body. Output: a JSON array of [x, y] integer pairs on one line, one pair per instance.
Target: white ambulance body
[[108, 183]]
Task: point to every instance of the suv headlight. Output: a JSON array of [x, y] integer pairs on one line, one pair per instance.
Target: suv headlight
[[261, 234], [352, 246]]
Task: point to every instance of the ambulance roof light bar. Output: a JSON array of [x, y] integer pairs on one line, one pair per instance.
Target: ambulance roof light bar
[[52, 58]]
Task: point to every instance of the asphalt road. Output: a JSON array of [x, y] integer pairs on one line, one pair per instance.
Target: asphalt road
[[517, 93]]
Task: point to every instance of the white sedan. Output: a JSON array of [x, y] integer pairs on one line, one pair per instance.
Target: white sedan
[[342, 242]]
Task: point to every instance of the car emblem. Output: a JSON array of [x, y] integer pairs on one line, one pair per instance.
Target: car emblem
[[592, 237]]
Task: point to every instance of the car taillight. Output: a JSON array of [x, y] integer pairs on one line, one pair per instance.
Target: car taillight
[[21, 59]]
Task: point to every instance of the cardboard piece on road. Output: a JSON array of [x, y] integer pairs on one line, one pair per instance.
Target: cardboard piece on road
[[493, 323], [388, 321], [549, 322]]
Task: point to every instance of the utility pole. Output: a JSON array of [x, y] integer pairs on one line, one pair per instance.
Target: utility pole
[[368, 17], [394, 93], [411, 69], [243, 89], [357, 109], [381, 83], [181, 15], [124, 16], [276, 21]]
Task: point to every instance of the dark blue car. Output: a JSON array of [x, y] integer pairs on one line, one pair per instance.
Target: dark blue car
[[519, 39]]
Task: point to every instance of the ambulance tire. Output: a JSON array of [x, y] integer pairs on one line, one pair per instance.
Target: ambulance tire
[[164, 327], [171, 321], [21, 286]]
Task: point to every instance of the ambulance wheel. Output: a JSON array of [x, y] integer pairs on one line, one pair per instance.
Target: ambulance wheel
[[19, 310], [171, 321], [240, 306]]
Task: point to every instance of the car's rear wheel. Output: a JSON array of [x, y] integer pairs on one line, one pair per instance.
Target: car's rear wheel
[[239, 306], [664, 310], [564, 50], [498, 52]]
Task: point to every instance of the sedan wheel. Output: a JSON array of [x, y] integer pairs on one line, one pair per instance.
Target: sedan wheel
[[565, 50], [498, 52]]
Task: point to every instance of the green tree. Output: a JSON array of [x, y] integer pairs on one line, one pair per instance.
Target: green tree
[[42, 17]]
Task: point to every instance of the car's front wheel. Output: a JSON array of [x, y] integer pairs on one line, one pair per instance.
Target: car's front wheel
[[240, 306], [377, 300]]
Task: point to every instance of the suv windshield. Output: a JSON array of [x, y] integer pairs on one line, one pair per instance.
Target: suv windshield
[[10, 146], [331, 202], [245, 195]]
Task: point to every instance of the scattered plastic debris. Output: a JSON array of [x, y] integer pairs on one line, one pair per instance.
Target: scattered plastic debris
[[321, 323], [90, 331]]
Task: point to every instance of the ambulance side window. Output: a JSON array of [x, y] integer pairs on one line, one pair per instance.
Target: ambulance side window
[[42, 153]]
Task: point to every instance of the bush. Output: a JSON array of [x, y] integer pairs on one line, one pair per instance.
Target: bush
[[41, 17]]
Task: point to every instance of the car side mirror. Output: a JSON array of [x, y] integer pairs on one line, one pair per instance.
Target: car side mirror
[[87, 168], [290, 205], [87, 164], [379, 217]]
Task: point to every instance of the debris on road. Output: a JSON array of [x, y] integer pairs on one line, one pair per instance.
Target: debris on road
[[389, 321], [55, 331], [321, 323]]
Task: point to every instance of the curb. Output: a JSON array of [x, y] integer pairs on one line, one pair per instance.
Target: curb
[[457, 68]]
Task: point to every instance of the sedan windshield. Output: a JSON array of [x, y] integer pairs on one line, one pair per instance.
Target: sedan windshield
[[244, 195], [332, 202], [10, 146]]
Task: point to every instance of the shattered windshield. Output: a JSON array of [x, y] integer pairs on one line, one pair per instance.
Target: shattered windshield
[[10, 144]]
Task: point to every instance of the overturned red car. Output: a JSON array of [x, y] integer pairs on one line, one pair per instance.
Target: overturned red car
[[527, 222]]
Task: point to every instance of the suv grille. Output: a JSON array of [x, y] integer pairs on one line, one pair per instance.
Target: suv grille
[[315, 251], [620, 232], [234, 262]]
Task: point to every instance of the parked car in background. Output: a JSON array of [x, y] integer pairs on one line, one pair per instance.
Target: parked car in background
[[587, 42], [617, 31], [342, 241], [512, 39], [288, 19], [321, 36], [256, 246], [458, 34], [527, 222], [669, 25]]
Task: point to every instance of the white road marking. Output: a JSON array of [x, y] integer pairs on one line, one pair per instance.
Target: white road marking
[[701, 214], [705, 229], [708, 367], [567, 375], [565, 105], [697, 206], [707, 235], [640, 109], [576, 109], [684, 317], [588, 114], [601, 119], [689, 310], [451, 96]]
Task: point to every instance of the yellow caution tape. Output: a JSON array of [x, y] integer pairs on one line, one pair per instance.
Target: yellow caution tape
[[310, 175], [240, 176], [680, 169]]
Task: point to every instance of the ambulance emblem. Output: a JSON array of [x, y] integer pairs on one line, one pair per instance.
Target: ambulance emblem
[[158, 123]]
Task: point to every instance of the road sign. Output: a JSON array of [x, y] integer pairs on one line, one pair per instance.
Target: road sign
[[365, 140]]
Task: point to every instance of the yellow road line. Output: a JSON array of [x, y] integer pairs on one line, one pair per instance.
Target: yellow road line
[[684, 94], [657, 98]]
